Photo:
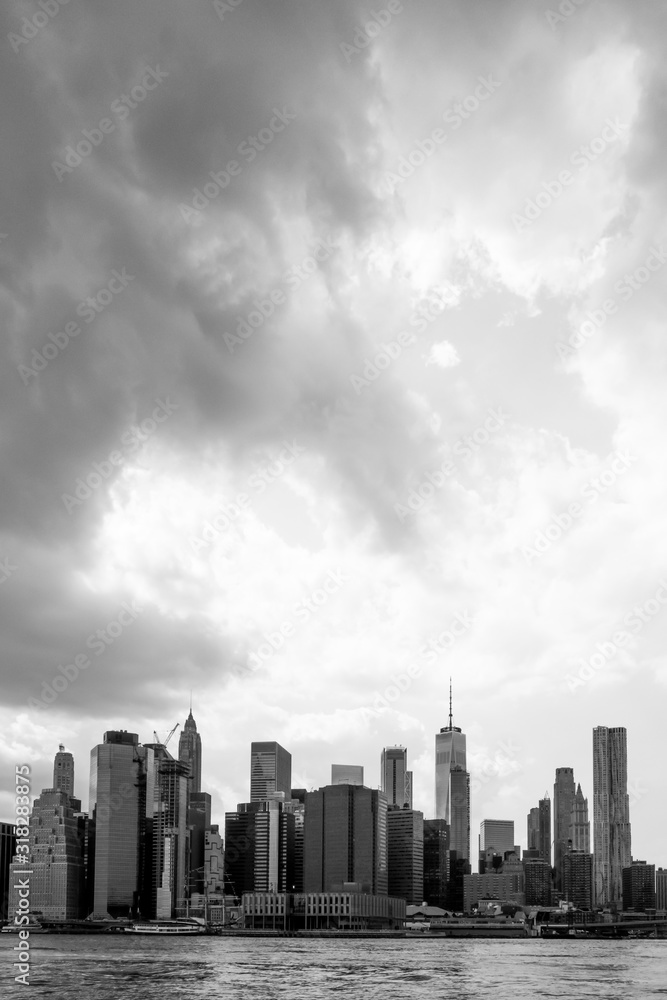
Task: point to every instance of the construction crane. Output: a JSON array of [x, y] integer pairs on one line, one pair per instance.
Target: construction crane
[[164, 743]]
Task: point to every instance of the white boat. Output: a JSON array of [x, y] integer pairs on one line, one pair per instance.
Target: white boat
[[166, 927]]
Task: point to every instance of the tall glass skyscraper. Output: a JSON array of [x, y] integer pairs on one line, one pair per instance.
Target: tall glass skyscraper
[[452, 785], [114, 811], [396, 780], [189, 751], [564, 796], [611, 814]]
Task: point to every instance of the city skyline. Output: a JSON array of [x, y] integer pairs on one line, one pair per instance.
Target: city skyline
[[267, 749]]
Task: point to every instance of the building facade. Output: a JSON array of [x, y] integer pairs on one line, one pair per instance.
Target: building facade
[[63, 771], [505, 887], [580, 830], [661, 890], [577, 884], [405, 855], [564, 793], [452, 787], [395, 779], [537, 882], [270, 770], [345, 838], [611, 814], [496, 836], [639, 887], [115, 828], [259, 847], [436, 862], [57, 875], [7, 852], [189, 751], [347, 774]]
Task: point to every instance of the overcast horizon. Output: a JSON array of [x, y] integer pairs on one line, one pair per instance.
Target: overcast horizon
[[332, 370]]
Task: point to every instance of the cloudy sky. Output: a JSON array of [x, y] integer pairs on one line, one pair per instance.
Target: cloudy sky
[[333, 364]]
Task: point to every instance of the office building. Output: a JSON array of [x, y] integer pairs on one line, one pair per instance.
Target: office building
[[169, 832], [214, 862], [577, 879], [580, 828], [347, 774], [661, 890], [7, 851], [639, 887], [395, 779], [199, 821], [452, 785], [537, 881], [189, 751], [496, 838], [298, 807], [114, 814], [436, 862], [506, 887], [270, 771], [346, 909], [259, 847], [405, 855], [56, 879], [345, 838], [539, 829], [611, 814], [63, 771], [564, 793]]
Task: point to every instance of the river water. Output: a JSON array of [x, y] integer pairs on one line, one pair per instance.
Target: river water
[[91, 967]]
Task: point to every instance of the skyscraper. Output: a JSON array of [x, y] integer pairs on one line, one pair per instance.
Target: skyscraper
[[270, 771], [347, 774], [539, 829], [639, 886], [345, 839], [199, 821], [580, 834], [611, 814], [259, 847], [577, 879], [436, 862], [114, 812], [452, 785], [564, 794], [396, 780], [56, 860], [63, 771], [189, 751], [496, 836], [405, 855]]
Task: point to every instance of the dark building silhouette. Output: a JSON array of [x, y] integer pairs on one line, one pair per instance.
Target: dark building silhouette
[[345, 839], [639, 887], [577, 879], [7, 851], [537, 881], [436, 862], [405, 855]]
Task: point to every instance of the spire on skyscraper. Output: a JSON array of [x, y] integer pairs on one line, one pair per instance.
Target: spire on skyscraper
[[450, 702]]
